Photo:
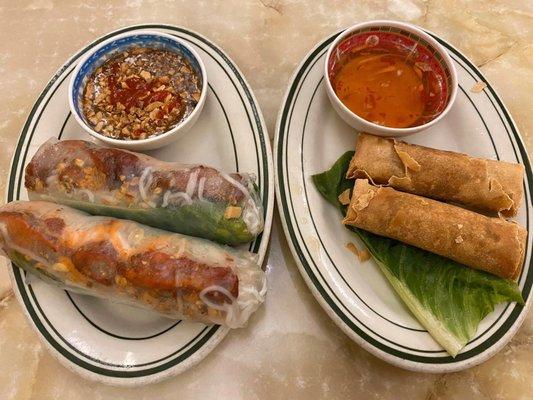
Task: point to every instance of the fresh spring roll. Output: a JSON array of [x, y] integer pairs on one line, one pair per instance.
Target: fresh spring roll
[[489, 244], [487, 185], [194, 200], [178, 276]]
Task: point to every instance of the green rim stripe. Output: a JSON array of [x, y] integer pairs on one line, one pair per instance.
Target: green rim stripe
[[229, 126], [96, 326], [105, 363]]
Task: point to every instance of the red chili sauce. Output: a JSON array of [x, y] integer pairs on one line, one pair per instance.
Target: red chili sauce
[[389, 84]]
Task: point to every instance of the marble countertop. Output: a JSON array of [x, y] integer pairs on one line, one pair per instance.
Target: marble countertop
[[291, 349]]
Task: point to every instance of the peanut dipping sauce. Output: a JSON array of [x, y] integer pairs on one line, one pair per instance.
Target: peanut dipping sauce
[[386, 88]]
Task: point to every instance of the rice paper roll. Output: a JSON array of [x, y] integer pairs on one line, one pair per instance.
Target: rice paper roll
[[175, 275], [489, 244], [486, 185], [195, 200]]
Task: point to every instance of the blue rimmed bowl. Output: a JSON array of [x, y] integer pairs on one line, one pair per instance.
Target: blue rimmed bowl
[[118, 44]]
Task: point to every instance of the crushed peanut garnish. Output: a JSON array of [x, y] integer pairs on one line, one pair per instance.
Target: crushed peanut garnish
[[138, 94], [232, 212], [60, 267]]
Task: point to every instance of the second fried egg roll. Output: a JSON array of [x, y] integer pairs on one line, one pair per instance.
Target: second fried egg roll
[[487, 185], [489, 244]]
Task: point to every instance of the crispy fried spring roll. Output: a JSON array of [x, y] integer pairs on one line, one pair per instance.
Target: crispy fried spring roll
[[178, 276], [489, 244], [195, 200], [487, 185]]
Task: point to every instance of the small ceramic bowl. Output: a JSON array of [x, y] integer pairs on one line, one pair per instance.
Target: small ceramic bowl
[[422, 46], [111, 47]]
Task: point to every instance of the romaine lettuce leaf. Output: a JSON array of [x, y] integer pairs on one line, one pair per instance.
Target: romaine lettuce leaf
[[448, 299]]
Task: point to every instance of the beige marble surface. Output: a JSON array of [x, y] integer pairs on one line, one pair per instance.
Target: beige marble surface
[[291, 349]]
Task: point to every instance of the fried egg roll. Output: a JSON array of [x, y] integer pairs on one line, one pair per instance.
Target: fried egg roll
[[486, 185], [175, 275], [489, 244]]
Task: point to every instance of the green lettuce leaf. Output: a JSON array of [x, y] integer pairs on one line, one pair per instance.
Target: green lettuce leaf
[[203, 219], [448, 299]]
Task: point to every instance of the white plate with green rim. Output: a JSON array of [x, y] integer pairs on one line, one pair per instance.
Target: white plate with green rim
[[310, 137], [117, 344]]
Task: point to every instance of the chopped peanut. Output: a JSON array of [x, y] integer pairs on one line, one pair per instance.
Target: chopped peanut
[[232, 212], [60, 267], [363, 255], [146, 97], [478, 87], [154, 105], [145, 75]]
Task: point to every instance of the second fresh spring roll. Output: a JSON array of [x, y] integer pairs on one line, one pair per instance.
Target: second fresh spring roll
[[195, 200], [175, 275], [489, 244], [488, 185]]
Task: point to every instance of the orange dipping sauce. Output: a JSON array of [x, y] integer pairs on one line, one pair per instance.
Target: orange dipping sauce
[[388, 79], [383, 88]]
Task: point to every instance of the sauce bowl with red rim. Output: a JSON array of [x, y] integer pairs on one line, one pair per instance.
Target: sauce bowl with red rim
[[111, 49], [433, 88]]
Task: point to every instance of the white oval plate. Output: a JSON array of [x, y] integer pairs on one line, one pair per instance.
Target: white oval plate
[[118, 344], [310, 137]]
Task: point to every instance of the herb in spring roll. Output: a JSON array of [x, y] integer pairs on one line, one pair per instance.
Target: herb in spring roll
[[489, 244], [195, 200], [487, 185], [176, 275]]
